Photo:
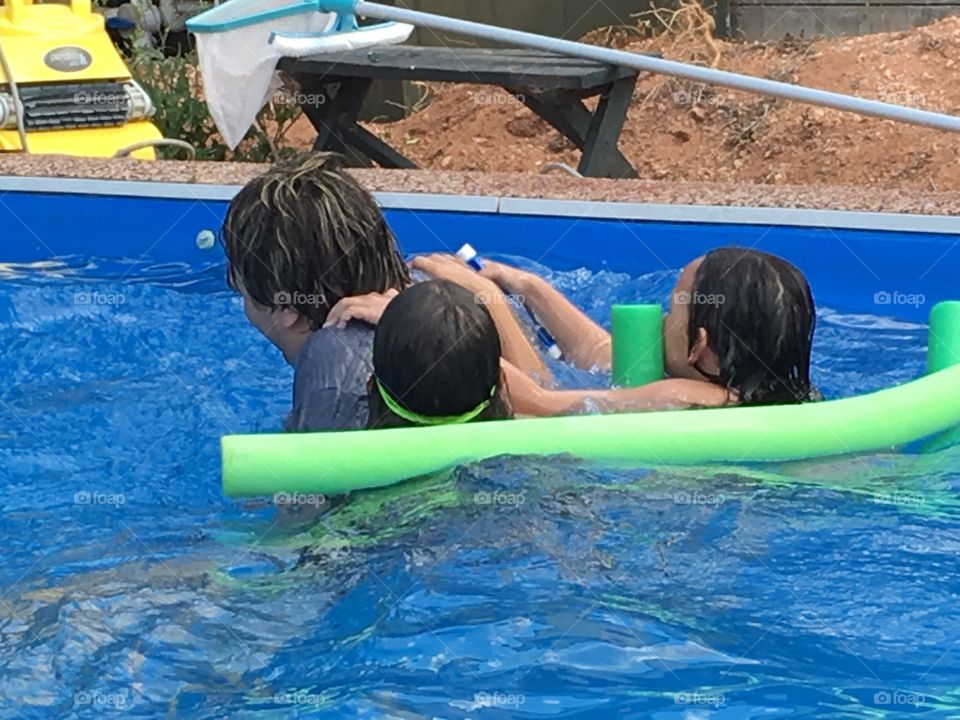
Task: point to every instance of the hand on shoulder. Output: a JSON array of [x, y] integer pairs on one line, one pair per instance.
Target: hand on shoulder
[[447, 267], [368, 308], [511, 279]]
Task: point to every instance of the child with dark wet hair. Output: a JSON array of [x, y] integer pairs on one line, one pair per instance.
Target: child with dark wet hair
[[436, 360], [738, 332]]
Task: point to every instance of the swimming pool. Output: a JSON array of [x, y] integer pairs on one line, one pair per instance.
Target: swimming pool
[[133, 588]]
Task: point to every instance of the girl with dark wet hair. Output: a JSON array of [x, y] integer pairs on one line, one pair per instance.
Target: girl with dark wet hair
[[738, 332], [762, 332], [436, 360]]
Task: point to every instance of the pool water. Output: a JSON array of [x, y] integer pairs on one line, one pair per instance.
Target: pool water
[[509, 588]]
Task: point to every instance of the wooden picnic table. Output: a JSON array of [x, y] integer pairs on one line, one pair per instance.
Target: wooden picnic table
[[333, 88]]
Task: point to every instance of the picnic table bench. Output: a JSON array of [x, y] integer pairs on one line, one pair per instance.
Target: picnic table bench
[[334, 86]]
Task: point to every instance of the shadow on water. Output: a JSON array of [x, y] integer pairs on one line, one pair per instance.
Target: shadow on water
[[567, 586]]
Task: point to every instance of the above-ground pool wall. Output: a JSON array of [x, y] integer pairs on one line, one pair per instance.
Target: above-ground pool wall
[[893, 272], [896, 265]]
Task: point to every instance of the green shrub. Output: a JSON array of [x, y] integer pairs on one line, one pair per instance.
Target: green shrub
[[176, 88]]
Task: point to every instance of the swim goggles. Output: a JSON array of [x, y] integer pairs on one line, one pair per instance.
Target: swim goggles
[[397, 409]]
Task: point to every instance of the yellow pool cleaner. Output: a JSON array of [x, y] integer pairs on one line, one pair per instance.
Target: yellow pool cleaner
[[64, 87]]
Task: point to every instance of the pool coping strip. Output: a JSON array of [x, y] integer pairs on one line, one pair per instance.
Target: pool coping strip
[[583, 209], [733, 215]]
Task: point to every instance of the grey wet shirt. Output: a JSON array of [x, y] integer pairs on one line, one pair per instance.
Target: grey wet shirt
[[330, 379]]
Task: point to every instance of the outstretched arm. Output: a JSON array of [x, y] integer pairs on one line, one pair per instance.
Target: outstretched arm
[[529, 399], [515, 347], [581, 340]]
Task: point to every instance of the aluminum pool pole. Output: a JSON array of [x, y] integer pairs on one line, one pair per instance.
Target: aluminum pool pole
[[697, 73]]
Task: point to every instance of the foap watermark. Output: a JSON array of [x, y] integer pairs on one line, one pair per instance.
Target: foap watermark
[[297, 499], [97, 497], [93, 297], [496, 298], [685, 497], [495, 97], [110, 99], [499, 699], [293, 299], [895, 297], [902, 97], [296, 98], [100, 700], [899, 498], [693, 98], [696, 697], [898, 697], [297, 698], [698, 298], [499, 498]]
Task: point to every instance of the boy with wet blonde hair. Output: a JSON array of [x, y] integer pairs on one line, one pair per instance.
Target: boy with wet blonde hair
[[298, 239]]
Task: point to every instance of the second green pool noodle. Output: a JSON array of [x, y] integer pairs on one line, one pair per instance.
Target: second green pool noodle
[[943, 350], [943, 338], [636, 333]]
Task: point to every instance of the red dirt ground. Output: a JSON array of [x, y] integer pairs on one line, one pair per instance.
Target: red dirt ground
[[678, 130]]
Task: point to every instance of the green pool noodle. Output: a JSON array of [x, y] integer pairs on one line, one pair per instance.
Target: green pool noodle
[[336, 462], [943, 338], [943, 351], [636, 332]]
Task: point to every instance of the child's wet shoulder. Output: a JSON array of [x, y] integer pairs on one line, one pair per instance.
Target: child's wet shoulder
[[334, 344]]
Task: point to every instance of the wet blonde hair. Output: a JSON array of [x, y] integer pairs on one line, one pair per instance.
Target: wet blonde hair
[[306, 234]]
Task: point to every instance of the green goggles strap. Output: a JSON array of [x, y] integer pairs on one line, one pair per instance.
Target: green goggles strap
[[397, 409]]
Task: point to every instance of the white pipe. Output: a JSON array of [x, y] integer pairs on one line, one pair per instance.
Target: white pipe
[[162, 142], [747, 83], [17, 101]]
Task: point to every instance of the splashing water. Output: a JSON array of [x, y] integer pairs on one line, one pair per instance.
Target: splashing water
[[512, 587]]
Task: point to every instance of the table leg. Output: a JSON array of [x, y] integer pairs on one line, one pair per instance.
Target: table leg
[[335, 120], [595, 134], [563, 112], [335, 114], [601, 155], [317, 109], [364, 141]]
